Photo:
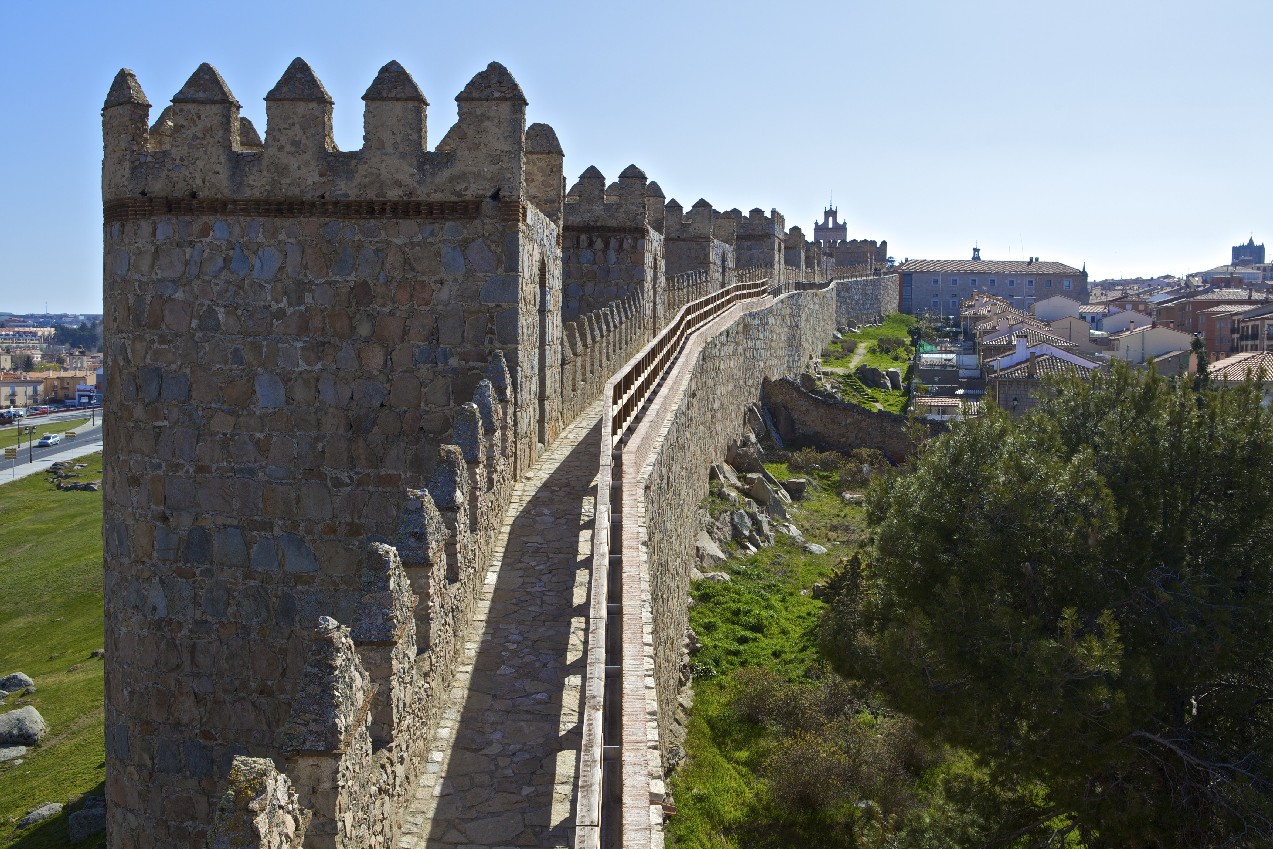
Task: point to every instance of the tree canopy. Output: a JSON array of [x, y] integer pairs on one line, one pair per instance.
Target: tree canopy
[[1082, 597]]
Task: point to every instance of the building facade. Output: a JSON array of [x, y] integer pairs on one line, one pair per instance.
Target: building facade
[[938, 286]]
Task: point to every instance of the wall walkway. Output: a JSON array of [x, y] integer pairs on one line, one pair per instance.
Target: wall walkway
[[502, 765]]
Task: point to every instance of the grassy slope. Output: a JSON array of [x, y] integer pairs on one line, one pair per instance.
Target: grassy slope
[[50, 621], [897, 324], [764, 617], [9, 435]]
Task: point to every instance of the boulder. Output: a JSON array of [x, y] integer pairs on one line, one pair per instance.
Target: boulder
[[741, 524], [745, 455], [795, 487], [15, 681], [720, 577], [758, 489], [894, 378], [90, 819], [708, 552], [723, 473], [9, 753], [46, 811], [872, 377], [814, 548], [23, 726]]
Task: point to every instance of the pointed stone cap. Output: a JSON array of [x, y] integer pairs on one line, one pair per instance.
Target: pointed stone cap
[[299, 83], [632, 172], [541, 138], [701, 204], [394, 83], [125, 91], [248, 136], [495, 83], [592, 173], [205, 86], [673, 203], [654, 190]]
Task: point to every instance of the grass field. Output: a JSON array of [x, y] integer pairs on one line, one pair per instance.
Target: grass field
[[762, 618], [9, 435], [50, 621], [897, 326]]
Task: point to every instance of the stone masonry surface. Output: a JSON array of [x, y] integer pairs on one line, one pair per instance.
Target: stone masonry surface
[[340, 384], [502, 764]]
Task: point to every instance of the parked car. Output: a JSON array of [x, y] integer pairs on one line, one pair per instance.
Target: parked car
[[49, 439]]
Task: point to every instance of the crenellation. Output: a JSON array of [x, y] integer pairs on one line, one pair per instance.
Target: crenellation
[[327, 371], [545, 178], [395, 114]]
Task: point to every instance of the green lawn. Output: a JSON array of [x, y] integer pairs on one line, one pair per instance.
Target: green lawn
[[50, 622], [9, 435]]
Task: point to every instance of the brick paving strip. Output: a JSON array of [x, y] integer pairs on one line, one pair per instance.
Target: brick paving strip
[[504, 759]]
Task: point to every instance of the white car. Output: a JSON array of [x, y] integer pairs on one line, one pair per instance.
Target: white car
[[49, 439]]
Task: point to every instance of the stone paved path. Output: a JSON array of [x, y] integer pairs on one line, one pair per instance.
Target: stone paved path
[[504, 759]]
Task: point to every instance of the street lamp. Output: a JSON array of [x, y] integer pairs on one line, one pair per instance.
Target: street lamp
[[30, 429], [1014, 405]]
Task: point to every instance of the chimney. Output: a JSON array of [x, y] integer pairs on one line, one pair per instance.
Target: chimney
[[1029, 370], [1020, 344]]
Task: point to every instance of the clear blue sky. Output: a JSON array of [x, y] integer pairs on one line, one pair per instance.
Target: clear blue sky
[[1129, 135]]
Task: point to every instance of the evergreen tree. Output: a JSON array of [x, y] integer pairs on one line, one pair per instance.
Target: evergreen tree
[[1083, 597]]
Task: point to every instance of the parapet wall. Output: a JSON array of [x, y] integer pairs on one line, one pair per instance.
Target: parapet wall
[[777, 341]]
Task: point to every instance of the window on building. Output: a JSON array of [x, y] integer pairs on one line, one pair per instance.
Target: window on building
[[954, 304], [1047, 284], [1029, 283], [936, 303], [1065, 284], [936, 281], [954, 281], [972, 281]]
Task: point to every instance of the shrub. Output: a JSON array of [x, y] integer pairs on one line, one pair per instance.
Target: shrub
[[860, 465], [887, 345]]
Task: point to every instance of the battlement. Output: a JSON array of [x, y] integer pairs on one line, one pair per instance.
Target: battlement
[[200, 152], [702, 222], [757, 223], [632, 203]]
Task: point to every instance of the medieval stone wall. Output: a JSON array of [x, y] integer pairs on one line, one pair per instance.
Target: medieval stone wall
[[866, 300], [803, 418], [294, 337], [777, 341]]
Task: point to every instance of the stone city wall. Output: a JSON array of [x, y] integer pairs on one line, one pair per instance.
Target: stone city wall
[[285, 364], [777, 341], [803, 418], [865, 300]]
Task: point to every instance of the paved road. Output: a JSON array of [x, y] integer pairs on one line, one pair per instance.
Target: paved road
[[32, 461], [504, 760]]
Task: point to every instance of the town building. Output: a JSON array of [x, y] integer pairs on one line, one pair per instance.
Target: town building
[[1015, 380], [1143, 344], [938, 287], [1255, 330], [1248, 254]]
